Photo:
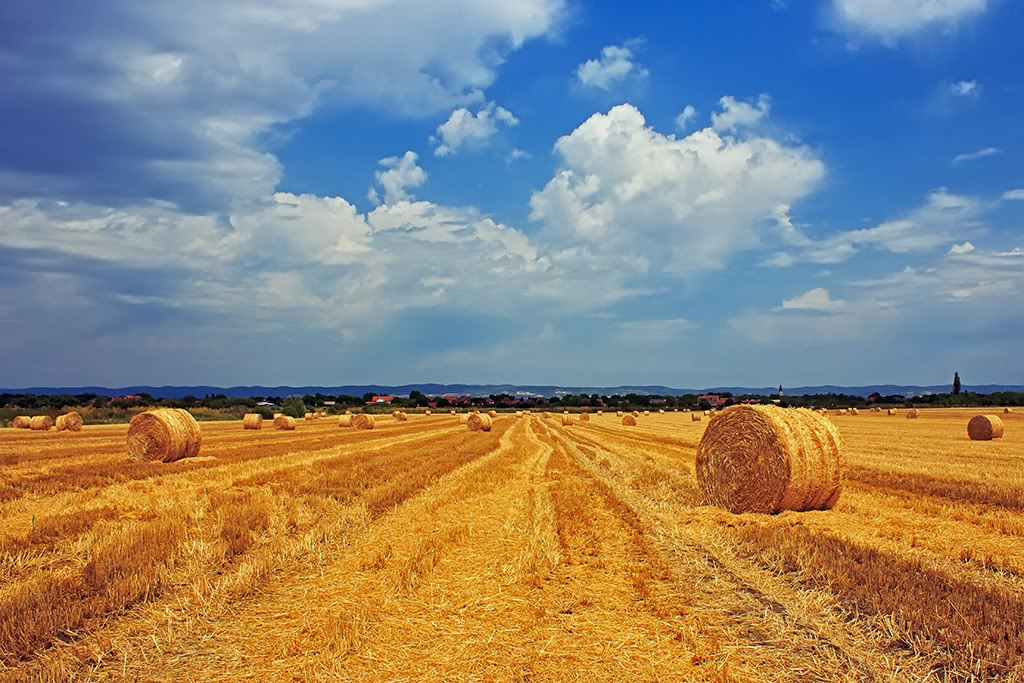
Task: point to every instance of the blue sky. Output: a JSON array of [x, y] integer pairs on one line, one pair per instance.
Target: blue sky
[[357, 191]]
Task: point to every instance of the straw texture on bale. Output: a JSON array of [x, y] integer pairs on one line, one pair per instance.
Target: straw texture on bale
[[71, 422], [22, 422], [309, 416], [695, 417], [985, 428], [567, 420], [546, 414], [479, 423], [41, 423], [584, 417], [492, 414], [363, 421], [768, 459], [277, 415], [164, 435], [913, 414], [629, 421], [284, 422], [344, 420], [463, 419], [618, 413], [252, 421]]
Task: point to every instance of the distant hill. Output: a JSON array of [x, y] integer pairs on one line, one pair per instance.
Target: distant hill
[[487, 389]]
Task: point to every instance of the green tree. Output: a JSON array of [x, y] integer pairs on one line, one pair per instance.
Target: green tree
[[294, 407], [956, 383]]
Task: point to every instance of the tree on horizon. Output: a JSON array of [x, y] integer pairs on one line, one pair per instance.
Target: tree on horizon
[[956, 382]]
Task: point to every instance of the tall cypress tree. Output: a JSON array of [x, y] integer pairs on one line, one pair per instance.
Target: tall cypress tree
[[956, 383]]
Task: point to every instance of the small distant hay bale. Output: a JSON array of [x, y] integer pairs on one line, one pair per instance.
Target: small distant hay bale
[[695, 417], [479, 423], [492, 414], [309, 416], [452, 412], [427, 412], [628, 421], [348, 412], [252, 421], [463, 419], [22, 422], [647, 413], [363, 421], [913, 414], [164, 435], [584, 417], [854, 411], [661, 411], [41, 423], [345, 420], [71, 422], [985, 428], [399, 416], [1007, 410], [618, 413], [707, 412], [600, 412], [635, 413], [567, 420], [285, 423], [565, 412], [768, 459], [519, 413], [528, 412], [892, 411]]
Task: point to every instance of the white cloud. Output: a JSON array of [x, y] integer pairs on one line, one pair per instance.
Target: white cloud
[[964, 88], [816, 299], [463, 127], [980, 154], [736, 114], [779, 259], [653, 331], [965, 248], [626, 191], [1014, 195], [1016, 251], [402, 172], [890, 20], [517, 154], [615, 65], [684, 118]]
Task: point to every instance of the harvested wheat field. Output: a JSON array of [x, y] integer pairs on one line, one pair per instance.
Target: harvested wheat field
[[422, 550]]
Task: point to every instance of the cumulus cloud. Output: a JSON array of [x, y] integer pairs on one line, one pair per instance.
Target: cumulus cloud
[[980, 154], [684, 117], [890, 21], [736, 114], [816, 299], [625, 191], [965, 248], [1017, 195], [464, 127], [402, 172], [181, 101], [615, 65]]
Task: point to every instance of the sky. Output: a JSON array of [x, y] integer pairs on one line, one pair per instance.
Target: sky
[[324, 192]]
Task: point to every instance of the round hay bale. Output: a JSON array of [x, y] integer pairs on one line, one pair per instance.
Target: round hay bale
[[284, 422], [345, 420], [892, 411], [647, 413], [707, 412], [600, 412], [661, 411], [1007, 410], [479, 423], [427, 413], [348, 412], [635, 413], [913, 414], [71, 422], [618, 413], [985, 428], [628, 421], [309, 416], [854, 411], [584, 417], [164, 435], [400, 416], [41, 423], [492, 414], [528, 412], [695, 417], [252, 421], [768, 459], [567, 420], [277, 415], [452, 412], [22, 422], [463, 419], [519, 413], [363, 421]]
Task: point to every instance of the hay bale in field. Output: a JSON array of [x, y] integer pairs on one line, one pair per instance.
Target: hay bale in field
[[492, 414], [913, 414], [452, 412], [519, 413], [618, 413], [277, 415], [892, 411], [635, 413], [22, 422], [363, 421], [600, 412], [661, 411], [768, 459], [284, 422], [628, 421], [695, 417], [985, 428], [427, 412], [463, 419], [479, 423], [399, 416], [1007, 410], [252, 421], [854, 411], [345, 420], [584, 417], [707, 412], [647, 413], [528, 412], [164, 435], [348, 412], [308, 416], [71, 422], [546, 414], [40, 423], [567, 420]]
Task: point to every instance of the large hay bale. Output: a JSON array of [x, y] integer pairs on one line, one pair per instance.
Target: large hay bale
[[913, 414], [22, 422], [164, 435], [479, 423], [695, 417], [768, 459], [567, 420], [985, 428], [629, 421], [252, 421], [41, 423], [363, 421], [345, 420], [71, 422], [284, 422], [584, 417]]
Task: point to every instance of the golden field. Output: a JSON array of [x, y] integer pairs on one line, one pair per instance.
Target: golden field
[[535, 551]]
